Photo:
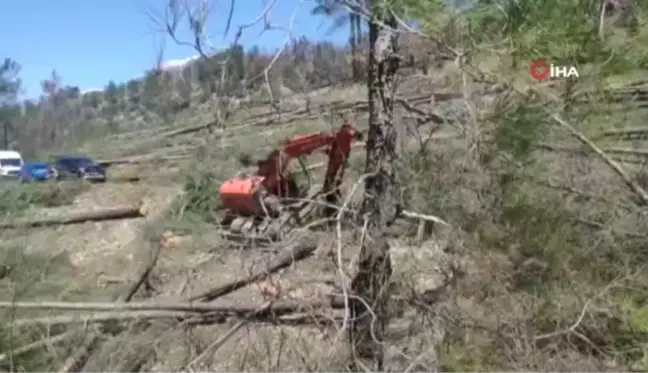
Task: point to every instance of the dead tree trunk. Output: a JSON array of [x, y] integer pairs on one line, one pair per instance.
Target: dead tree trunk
[[381, 204]]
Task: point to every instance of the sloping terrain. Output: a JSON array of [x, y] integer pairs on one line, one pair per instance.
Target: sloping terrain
[[98, 250], [102, 260]]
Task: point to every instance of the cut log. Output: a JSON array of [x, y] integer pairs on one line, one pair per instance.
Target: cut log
[[621, 155], [146, 158], [314, 112], [293, 253], [232, 309], [285, 317], [633, 131], [201, 313], [78, 217], [630, 183], [627, 151]]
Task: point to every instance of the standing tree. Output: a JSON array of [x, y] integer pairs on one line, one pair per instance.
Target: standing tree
[[355, 32], [341, 13], [51, 105], [9, 88], [381, 204]]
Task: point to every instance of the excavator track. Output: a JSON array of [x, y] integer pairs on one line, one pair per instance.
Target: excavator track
[[269, 229]]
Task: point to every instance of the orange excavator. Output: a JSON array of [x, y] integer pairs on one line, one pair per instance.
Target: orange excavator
[[267, 202]]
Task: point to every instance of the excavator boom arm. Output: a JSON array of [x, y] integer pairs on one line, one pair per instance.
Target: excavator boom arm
[[238, 194], [337, 146]]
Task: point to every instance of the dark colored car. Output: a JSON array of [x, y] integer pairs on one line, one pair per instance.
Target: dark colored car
[[35, 171], [78, 167]]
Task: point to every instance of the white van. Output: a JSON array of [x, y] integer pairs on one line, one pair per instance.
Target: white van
[[10, 163]]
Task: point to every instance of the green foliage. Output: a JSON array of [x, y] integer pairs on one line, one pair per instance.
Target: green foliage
[[418, 10], [536, 224], [416, 174], [15, 198], [562, 30], [9, 88], [519, 127], [201, 198], [9, 82], [455, 358]]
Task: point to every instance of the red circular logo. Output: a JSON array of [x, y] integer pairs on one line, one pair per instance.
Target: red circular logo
[[539, 70]]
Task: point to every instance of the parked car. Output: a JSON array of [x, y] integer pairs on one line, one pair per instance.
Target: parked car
[[35, 171], [10, 163], [77, 167]]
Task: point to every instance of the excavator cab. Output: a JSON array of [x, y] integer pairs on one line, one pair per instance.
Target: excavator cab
[[246, 192]]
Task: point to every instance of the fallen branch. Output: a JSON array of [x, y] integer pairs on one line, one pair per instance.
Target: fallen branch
[[616, 232], [425, 117], [220, 341], [75, 362], [314, 112], [204, 314], [626, 151], [172, 131], [430, 218], [404, 213], [293, 253], [201, 307], [208, 317], [623, 151], [145, 159], [114, 213], [188, 319], [574, 191], [638, 190], [626, 132], [144, 274], [38, 344], [638, 159], [78, 360]]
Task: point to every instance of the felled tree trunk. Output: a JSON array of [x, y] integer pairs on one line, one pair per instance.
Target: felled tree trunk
[[113, 213], [381, 206]]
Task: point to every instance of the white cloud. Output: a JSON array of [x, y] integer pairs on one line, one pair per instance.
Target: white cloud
[[90, 90], [166, 65], [176, 64]]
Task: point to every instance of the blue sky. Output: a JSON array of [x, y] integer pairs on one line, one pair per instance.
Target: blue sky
[[90, 42]]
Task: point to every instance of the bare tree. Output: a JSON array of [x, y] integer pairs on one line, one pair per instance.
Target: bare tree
[[381, 204], [197, 18], [9, 89], [344, 11], [52, 101]]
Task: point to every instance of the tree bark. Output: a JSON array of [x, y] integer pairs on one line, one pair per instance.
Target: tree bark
[[381, 205]]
